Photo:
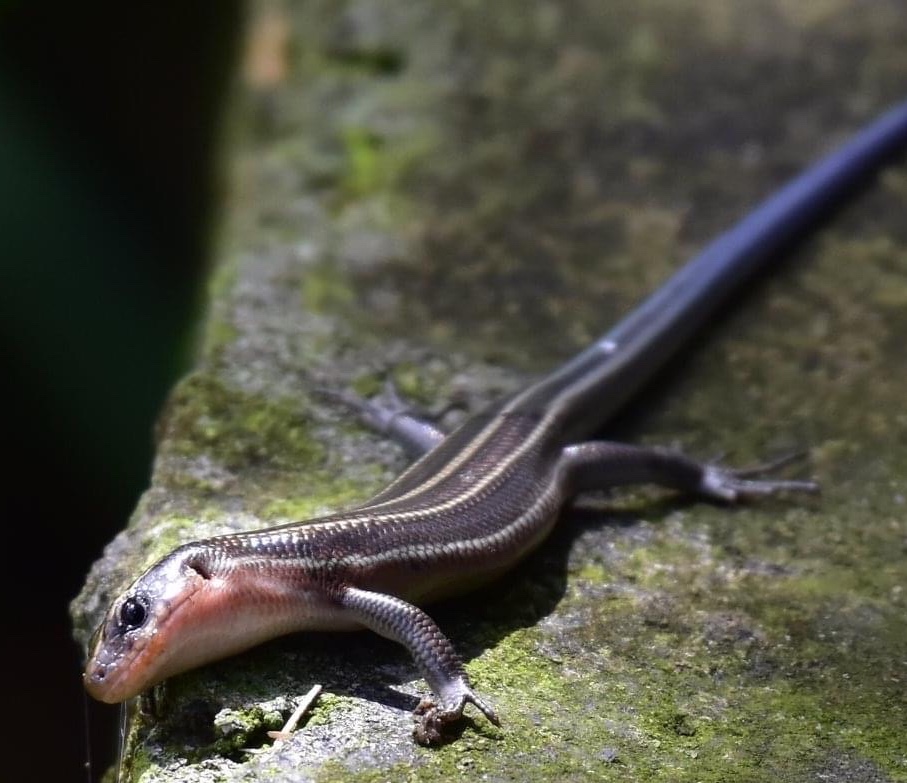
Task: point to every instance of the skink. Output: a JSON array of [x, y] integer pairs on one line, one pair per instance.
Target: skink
[[475, 503]]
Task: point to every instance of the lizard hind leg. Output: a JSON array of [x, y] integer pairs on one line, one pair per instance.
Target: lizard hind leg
[[601, 464], [390, 415]]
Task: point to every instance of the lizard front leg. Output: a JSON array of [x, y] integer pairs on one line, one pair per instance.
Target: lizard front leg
[[431, 650]]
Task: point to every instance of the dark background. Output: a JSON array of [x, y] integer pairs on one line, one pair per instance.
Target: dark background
[[110, 121]]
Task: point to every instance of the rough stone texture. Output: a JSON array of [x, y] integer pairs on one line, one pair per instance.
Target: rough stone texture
[[466, 193]]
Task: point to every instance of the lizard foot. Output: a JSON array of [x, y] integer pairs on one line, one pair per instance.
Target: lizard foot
[[735, 485], [433, 719]]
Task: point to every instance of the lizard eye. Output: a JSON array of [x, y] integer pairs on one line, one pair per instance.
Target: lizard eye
[[132, 614]]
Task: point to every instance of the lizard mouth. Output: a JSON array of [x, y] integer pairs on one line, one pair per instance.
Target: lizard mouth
[[106, 677]]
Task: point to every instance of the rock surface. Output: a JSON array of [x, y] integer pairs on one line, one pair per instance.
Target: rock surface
[[462, 194]]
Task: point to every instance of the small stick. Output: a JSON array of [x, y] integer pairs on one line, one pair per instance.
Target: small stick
[[304, 706]]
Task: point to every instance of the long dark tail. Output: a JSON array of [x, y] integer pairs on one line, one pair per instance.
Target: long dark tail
[[589, 388]]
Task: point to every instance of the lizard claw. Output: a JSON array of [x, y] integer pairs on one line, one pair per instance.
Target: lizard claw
[[434, 718], [734, 485]]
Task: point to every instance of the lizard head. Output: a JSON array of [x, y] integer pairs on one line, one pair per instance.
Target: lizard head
[[147, 634]]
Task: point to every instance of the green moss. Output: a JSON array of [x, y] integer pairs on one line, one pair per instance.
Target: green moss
[[413, 383], [171, 530], [378, 60], [139, 762], [218, 328], [363, 151], [218, 333], [342, 493], [325, 709], [206, 417], [135, 760], [369, 385], [325, 287], [240, 729]]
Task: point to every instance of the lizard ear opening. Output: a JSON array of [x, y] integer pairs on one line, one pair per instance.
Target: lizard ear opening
[[199, 567]]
